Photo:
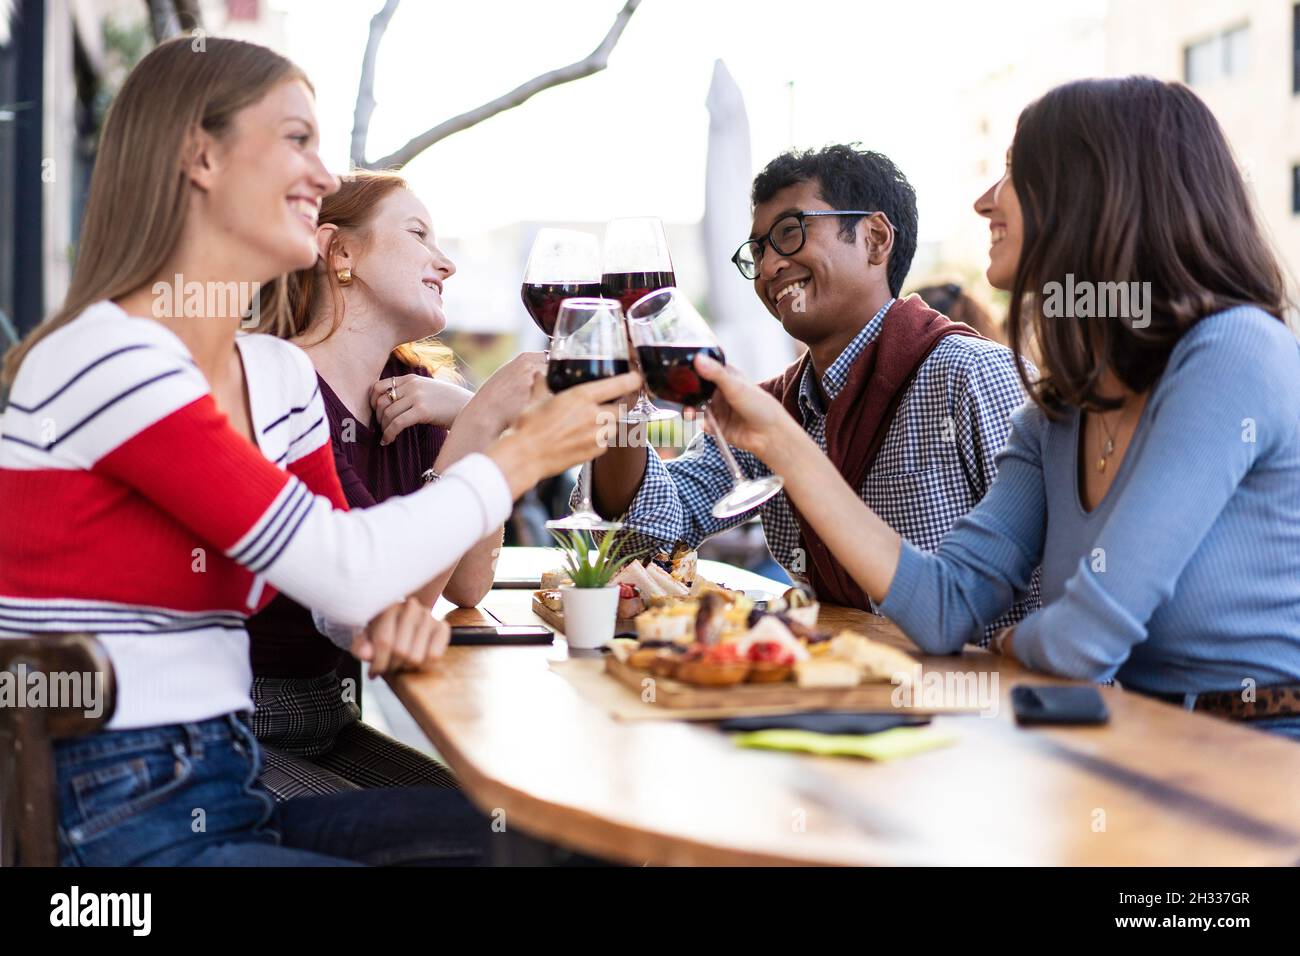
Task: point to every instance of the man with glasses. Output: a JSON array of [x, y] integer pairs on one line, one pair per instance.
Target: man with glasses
[[913, 408]]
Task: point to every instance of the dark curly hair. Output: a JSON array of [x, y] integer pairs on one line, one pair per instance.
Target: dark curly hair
[[851, 178]]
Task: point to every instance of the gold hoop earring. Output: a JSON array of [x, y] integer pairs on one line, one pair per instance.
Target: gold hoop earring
[[345, 276]]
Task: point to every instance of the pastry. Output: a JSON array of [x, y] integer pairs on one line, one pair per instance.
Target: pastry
[[665, 663], [550, 599], [642, 657], [717, 666], [629, 601], [769, 672], [770, 662], [717, 618], [673, 623], [770, 630], [558, 578], [680, 564], [798, 606]]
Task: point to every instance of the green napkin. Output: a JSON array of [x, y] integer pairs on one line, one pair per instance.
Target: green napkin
[[886, 745]]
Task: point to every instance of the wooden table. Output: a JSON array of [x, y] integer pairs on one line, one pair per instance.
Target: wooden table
[[1155, 786]]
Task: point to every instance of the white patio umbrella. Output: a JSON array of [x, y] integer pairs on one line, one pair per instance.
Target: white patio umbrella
[[754, 341]]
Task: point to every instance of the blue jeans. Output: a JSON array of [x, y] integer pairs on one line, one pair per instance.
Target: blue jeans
[[187, 795]]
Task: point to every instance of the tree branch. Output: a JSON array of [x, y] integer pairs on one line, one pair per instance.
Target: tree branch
[[170, 18], [188, 15], [366, 88], [163, 21], [594, 62]]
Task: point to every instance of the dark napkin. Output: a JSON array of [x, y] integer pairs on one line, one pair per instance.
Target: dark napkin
[[825, 722]]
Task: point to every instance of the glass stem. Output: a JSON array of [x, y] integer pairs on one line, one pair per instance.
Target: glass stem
[[584, 488], [723, 448]]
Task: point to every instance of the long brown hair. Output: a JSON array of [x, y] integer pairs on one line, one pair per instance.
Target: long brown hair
[[352, 208], [139, 192], [1128, 180]]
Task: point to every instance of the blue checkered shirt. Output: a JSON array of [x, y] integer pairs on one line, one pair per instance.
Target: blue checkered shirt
[[936, 462]]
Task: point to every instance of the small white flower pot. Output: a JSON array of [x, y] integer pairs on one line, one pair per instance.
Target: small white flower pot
[[589, 615]]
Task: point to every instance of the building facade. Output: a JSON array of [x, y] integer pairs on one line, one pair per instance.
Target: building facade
[[1243, 58]]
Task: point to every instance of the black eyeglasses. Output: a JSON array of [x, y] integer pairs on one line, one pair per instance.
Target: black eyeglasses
[[786, 236]]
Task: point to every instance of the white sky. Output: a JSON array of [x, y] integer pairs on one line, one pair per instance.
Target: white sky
[[631, 140]]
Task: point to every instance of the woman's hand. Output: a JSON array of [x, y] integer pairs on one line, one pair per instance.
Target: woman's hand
[[1002, 643], [404, 637], [749, 417], [497, 404], [556, 432], [420, 401]]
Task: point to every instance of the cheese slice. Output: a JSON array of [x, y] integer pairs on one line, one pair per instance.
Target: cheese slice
[[826, 672], [876, 661]]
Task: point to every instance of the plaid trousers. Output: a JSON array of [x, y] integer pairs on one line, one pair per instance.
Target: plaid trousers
[[315, 743]]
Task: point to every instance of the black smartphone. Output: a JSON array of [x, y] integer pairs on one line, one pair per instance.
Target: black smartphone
[[1048, 704], [495, 634], [525, 583]]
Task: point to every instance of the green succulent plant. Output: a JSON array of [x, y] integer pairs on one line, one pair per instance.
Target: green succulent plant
[[584, 570]]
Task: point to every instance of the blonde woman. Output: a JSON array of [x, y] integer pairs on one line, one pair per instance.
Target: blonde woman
[[174, 475]]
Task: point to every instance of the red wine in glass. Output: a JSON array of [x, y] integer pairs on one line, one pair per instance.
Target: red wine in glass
[[668, 334], [590, 343], [562, 373], [670, 374], [542, 300], [627, 287]]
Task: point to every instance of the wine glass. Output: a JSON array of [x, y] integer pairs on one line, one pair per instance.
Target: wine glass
[[668, 333], [636, 261], [589, 344], [563, 263]]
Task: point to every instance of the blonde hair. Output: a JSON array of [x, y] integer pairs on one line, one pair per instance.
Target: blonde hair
[[351, 209], [139, 191]]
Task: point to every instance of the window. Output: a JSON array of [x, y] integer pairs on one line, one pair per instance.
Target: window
[[242, 9], [1222, 56]]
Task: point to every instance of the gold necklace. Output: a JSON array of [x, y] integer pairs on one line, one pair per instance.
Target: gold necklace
[[1108, 446]]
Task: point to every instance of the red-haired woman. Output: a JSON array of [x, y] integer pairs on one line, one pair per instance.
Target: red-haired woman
[[365, 314]]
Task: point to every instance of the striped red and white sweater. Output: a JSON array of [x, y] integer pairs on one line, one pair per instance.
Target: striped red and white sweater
[[131, 509]]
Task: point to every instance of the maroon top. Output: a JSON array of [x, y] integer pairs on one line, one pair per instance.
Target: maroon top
[[284, 642], [861, 415]]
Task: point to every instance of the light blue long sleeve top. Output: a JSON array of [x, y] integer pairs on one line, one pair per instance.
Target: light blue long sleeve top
[[1185, 578]]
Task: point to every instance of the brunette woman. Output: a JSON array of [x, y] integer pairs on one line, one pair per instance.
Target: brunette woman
[[1155, 475]]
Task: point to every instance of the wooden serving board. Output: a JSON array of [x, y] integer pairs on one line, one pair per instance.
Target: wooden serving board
[[555, 619], [787, 695], [832, 617], [750, 698]]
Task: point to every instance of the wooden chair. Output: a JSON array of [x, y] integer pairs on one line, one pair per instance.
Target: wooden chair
[[28, 789]]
